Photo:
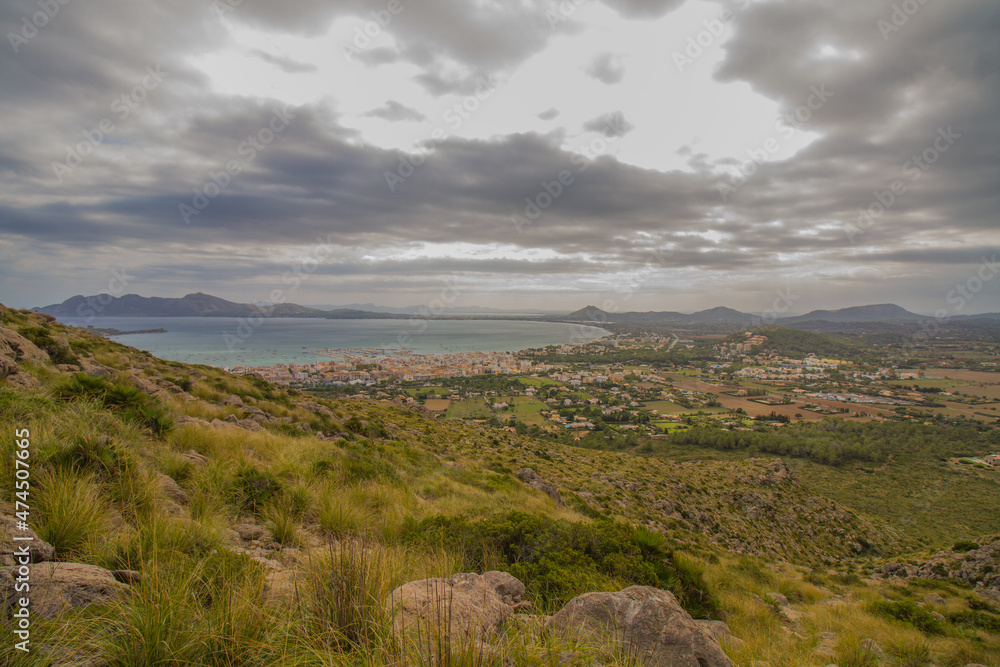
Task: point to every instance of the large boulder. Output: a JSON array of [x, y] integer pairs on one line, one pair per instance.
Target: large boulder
[[648, 622], [17, 348], [465, 605], [56, 587], [14, 539]]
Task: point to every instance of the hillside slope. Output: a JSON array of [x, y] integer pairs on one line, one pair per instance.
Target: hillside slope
[[248, 524]]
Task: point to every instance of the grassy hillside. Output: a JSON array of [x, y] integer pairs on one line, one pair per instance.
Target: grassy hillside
[[267, 527]]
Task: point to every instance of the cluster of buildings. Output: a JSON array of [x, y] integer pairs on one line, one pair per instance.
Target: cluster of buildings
[[746, 347], [372, 366]]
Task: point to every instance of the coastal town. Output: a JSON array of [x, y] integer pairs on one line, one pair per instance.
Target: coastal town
[[647, 384]]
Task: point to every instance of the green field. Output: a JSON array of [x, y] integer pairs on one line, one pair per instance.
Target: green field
[[469, 408]]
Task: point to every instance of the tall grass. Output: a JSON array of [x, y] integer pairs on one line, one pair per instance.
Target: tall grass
[[70, 510]]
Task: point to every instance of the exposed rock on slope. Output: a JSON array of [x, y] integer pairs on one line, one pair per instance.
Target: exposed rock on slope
[[977, 567], [464, 605], [648, 622]]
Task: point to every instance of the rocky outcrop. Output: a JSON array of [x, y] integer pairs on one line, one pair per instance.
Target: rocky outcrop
[[171, 489], [466, 605], [38, 550], [648, 623], [56, 587], [980, 567], [17, 348], [529, 477]]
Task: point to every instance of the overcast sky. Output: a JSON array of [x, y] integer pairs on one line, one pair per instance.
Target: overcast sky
[[631, 154]]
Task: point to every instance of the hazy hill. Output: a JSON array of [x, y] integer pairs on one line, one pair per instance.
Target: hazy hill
[[712, 315], [883, 312], [198, 304]]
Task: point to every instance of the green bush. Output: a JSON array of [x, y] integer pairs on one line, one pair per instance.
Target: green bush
[[965, 546], [58, 352], [252, 489], [908, 612], [558, 560]]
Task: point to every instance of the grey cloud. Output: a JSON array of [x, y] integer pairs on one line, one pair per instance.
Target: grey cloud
[[395, 111], [549, 114], [607, 68], [610, 124], [286, 64]]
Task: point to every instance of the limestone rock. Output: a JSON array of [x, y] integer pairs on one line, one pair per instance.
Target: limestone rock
[[23, 380], [172, 490], [648, 621], [56, 587], [250, 531], [17, 348], [463, 606], [508, 587]]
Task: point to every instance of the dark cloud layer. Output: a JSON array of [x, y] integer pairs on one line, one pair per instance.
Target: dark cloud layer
[[878, 99]]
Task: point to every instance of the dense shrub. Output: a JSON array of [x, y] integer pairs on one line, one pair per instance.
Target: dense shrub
[[127, 401], [558, 560]]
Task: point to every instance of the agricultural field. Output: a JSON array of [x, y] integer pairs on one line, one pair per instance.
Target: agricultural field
[[469, 408], [437, 404]]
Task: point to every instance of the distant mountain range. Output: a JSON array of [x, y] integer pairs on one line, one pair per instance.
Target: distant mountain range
[[416, 310], [883, 312], [710, 316], [200, 304]]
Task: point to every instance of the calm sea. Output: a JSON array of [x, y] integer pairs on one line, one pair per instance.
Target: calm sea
[[223, 341]]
